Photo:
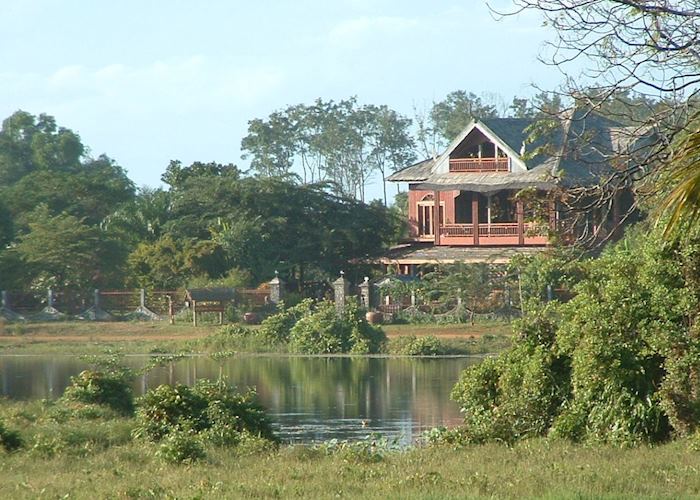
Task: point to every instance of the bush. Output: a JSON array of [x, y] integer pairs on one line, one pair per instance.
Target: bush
[[213, 410], [410, 345], [108, 389], [10, 439], [325, 331], [617, 364], [276, 328], [181, 447]]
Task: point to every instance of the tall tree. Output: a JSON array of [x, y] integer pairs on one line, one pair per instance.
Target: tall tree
[[456, 110], [341, 143]]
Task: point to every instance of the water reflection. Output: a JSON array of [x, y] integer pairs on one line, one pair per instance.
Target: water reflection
[[310, 399]]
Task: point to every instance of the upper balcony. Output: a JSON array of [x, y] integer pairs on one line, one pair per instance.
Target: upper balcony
[[499, 164]]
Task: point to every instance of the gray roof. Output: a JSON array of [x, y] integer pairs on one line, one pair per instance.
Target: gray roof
[[413, 173], [580, 150], [490, 182], [512, 131], [429, 254]]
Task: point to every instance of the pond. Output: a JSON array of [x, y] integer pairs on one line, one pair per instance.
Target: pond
[[310, 399]]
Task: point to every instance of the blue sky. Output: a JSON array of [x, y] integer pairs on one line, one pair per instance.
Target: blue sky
[[150, 81]]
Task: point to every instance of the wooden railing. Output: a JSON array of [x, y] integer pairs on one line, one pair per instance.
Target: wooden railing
[[493, 230], [478, 164], [457, 230], [496, 230]]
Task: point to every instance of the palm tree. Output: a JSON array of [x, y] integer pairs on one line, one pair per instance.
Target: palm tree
[[682, 203]]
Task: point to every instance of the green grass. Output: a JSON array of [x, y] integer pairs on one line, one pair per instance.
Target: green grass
[[87, 451], [535, 469]]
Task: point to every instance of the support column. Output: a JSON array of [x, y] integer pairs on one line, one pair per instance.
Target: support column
[[436, 217], [475, 217], [488, 213], [520, 211]]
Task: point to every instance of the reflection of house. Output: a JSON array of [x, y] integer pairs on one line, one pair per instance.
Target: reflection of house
[[495, 192]]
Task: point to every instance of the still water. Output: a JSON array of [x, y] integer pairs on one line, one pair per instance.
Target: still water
[[310, 399]]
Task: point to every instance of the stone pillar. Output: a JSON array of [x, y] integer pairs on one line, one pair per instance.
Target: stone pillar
[[276, 289], [366, 293], [341, 291], [96, 313], [49, 312], [142, 311], [5, 310]]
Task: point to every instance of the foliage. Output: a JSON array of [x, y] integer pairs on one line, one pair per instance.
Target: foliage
[[683, 201], [96, 387], [10, 439], [212, 410], [276, 328], [480, 286], [181, 447], [616, 364], [325, 331], [451, 115], [341, 143], [515, 395], [372, 449], [62, 250], [558, 268], [410, 345], [168, 263]]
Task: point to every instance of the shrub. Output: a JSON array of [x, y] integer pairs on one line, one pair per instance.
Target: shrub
[[213, 410], [513, 396], [410, 345], [108, 389], [616, 364], [10, 439], [181, 447], [325, 331], [276, 328]]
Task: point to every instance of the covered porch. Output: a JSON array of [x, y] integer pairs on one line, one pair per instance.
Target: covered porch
[[468, 218]]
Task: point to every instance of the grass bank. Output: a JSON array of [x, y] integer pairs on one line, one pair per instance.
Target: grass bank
[[81, 337], [534, 469]]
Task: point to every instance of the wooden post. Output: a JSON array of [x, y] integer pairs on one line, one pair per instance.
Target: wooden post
[[194, 313], [436, 217], [475, 217], [221, 317], [171, 312], [552, 215], [520, 211]]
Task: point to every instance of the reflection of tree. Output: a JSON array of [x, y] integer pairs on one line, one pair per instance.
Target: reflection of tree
[[402, 391]]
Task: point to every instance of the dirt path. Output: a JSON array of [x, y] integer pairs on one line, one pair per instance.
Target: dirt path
[[76, 332]]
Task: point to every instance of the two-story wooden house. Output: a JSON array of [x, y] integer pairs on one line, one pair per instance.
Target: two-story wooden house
[[494, 192]]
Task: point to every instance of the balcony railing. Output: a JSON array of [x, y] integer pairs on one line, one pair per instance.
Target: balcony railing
[[478, 164], [493, 230], [457, 230]]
